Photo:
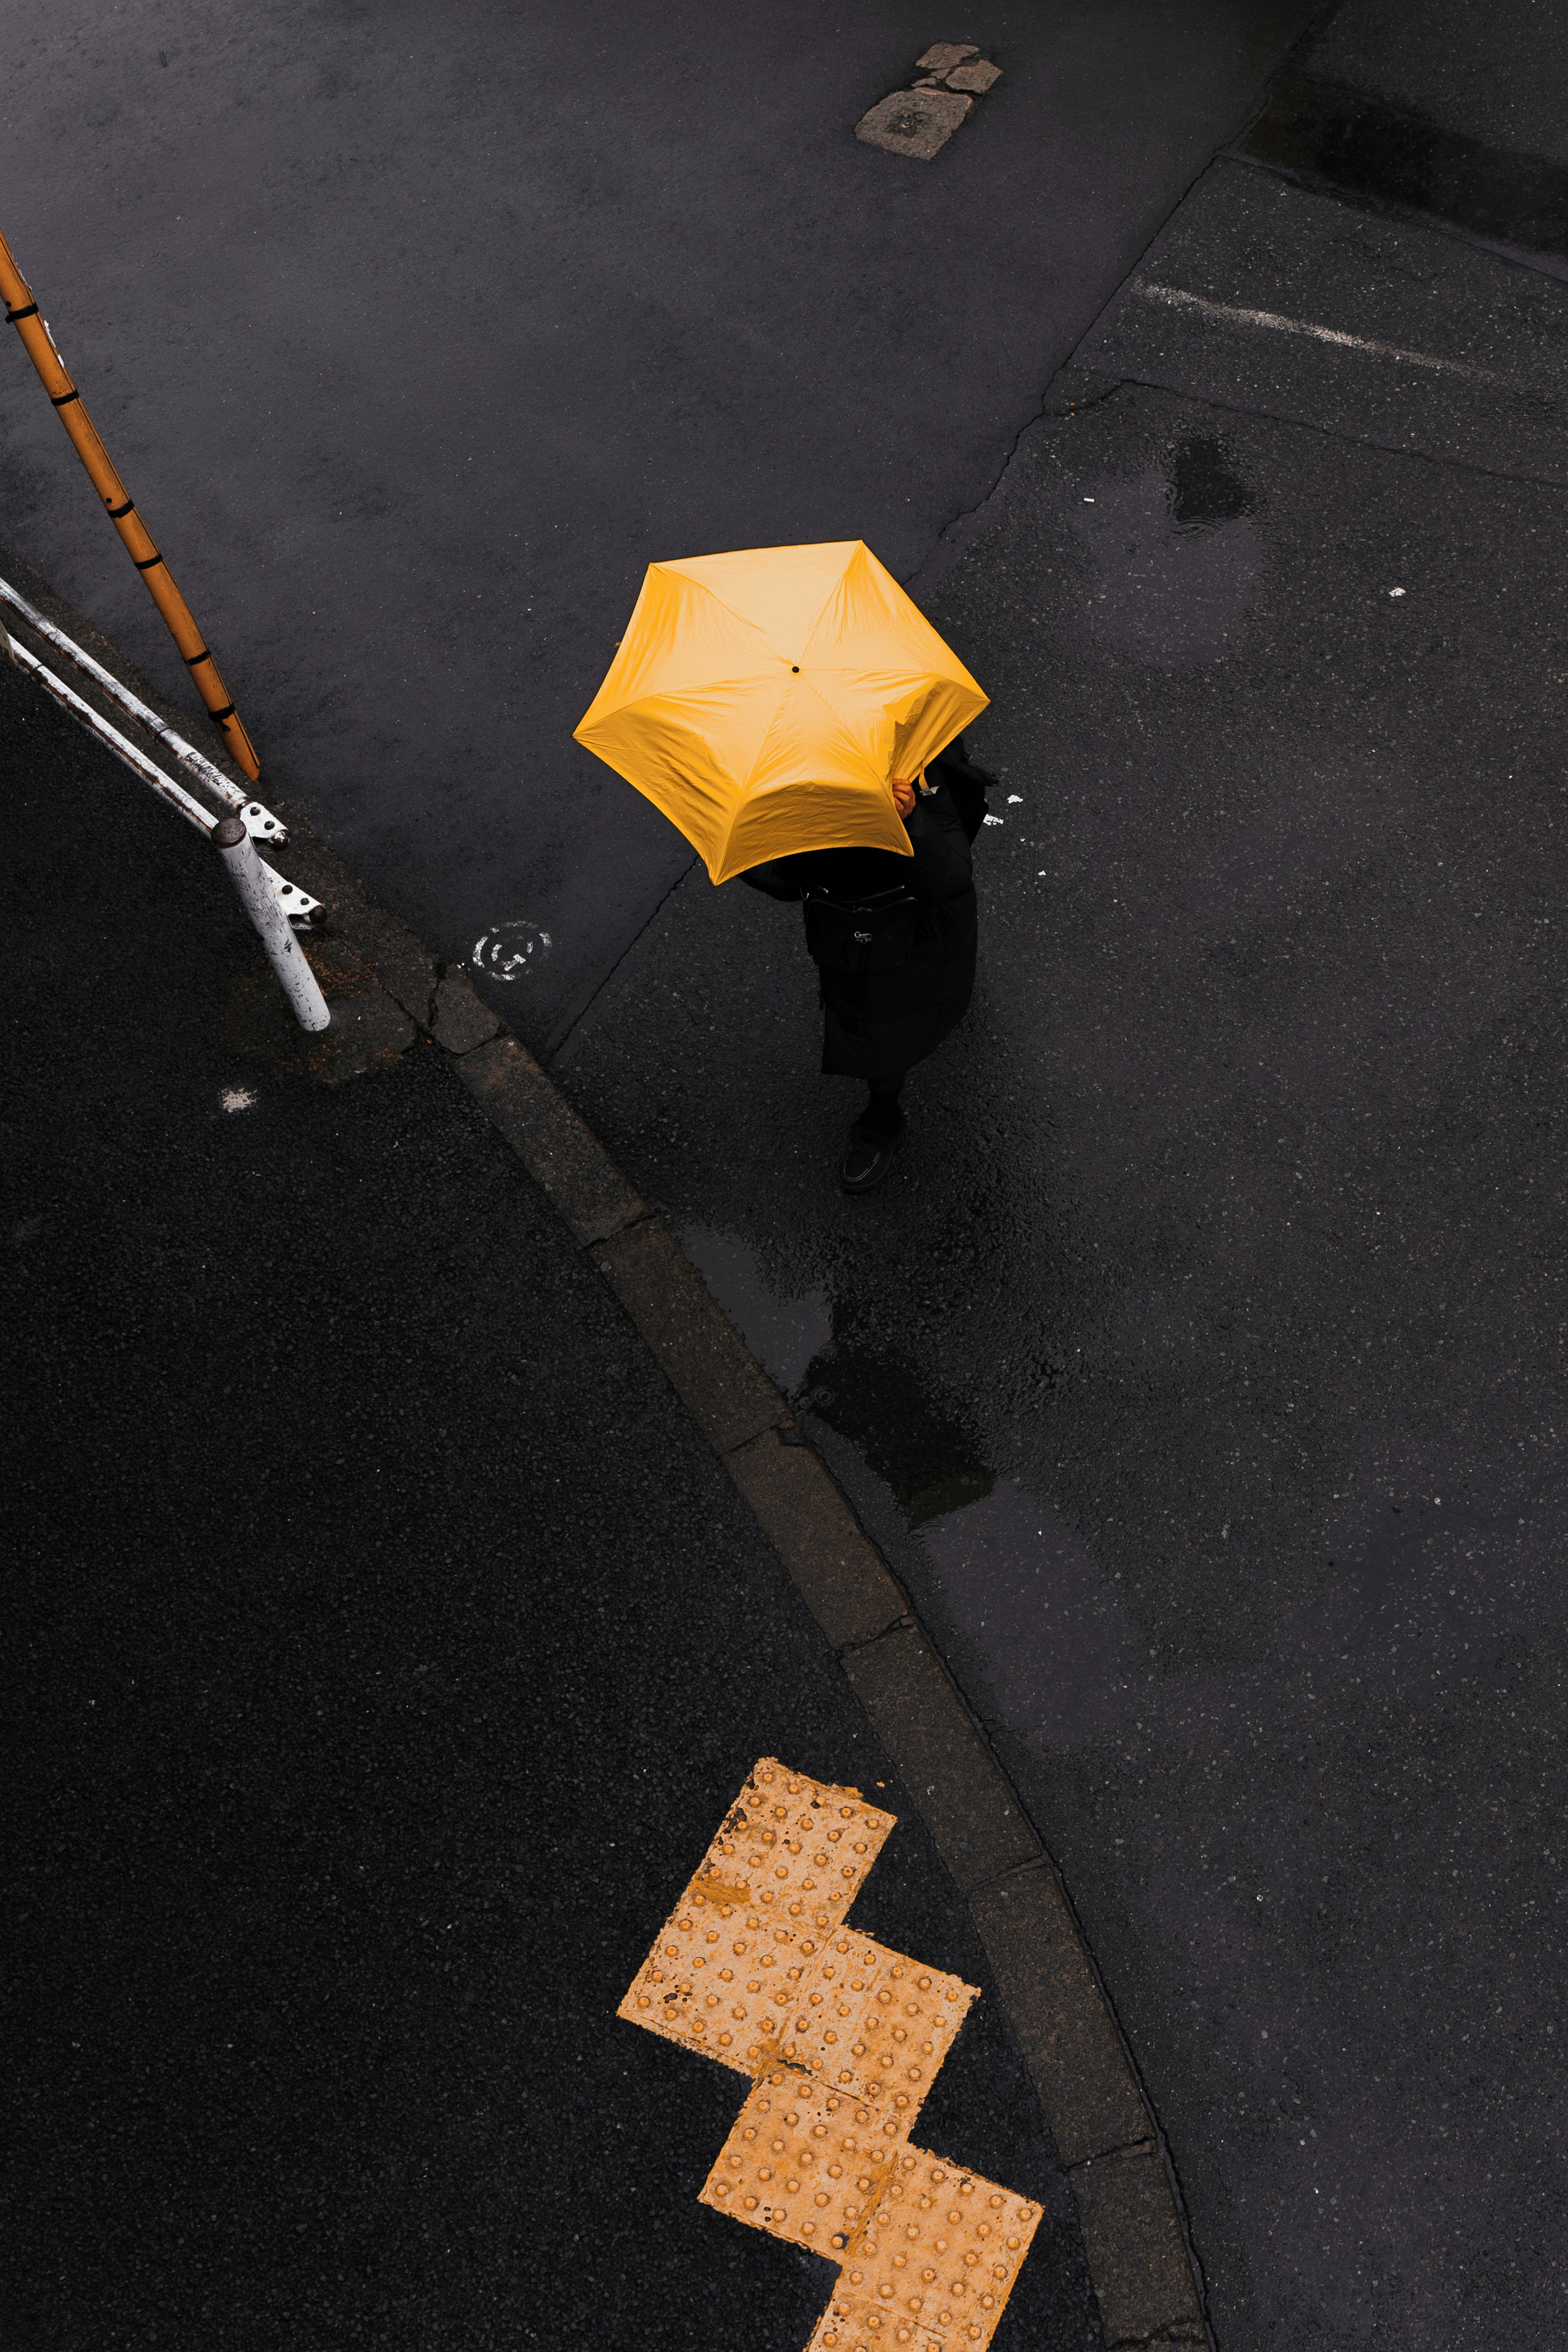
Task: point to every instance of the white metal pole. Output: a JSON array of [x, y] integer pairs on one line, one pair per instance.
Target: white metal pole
[[259, 899], [259, 820], [291, 897]]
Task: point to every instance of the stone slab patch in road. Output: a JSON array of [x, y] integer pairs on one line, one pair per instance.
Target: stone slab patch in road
[[943, 55], [978, 78], [915, 122], [921, 120]]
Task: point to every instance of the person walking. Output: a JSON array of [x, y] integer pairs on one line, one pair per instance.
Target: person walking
[[785, 707], [893, 940]]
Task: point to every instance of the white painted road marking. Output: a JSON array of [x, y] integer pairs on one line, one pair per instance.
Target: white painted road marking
[[510, 950], [1179, 299]]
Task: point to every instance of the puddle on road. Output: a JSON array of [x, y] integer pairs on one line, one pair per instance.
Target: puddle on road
[[811, 1344], [916, 1445], [1037, 1626], [1202, 487], [1177, 555], [784, 1332]]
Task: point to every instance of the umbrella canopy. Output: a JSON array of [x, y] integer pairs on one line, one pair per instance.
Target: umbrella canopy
[[763, 701]]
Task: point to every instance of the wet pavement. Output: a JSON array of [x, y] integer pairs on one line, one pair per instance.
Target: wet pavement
[[1201, 1366], [418, 334], [370, 1593]]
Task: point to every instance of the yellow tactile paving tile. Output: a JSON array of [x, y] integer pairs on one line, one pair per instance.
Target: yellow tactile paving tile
[[725, 1975], [876, 2024], [935, 2267], [756, 1968], [807, 2164]]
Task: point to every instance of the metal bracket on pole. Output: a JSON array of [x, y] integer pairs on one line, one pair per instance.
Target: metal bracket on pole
[[259, 822], [295, 905], [253, 881]]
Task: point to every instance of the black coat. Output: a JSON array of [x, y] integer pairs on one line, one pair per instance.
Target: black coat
[[878, 1024]]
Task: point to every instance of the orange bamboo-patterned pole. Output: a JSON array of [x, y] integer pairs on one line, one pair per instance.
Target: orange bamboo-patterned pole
[[29, 323]]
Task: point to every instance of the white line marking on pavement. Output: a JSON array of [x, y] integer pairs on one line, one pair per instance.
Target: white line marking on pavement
[[1179, 299]]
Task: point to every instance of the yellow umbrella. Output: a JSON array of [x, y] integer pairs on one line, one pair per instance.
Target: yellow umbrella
[[763, 701]]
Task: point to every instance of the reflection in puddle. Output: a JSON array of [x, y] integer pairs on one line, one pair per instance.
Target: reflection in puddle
[[874, 1398], [919, 1447], [784, 1333], [1176, 556], [1203, 487], [1037, 1628]]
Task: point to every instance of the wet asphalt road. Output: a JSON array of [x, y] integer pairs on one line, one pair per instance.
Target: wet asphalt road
[[1202, 1371], [369, 1591], [1202, 1366], [417, 333]]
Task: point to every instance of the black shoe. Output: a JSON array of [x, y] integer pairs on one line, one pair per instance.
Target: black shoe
[[869, 1155]]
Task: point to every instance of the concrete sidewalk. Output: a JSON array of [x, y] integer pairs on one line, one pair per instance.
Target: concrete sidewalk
[[391, 1645]]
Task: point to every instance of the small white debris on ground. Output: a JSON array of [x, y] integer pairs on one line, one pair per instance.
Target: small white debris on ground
[[1396, 591], [238, 1098], [995, 820], [1014, 800]]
